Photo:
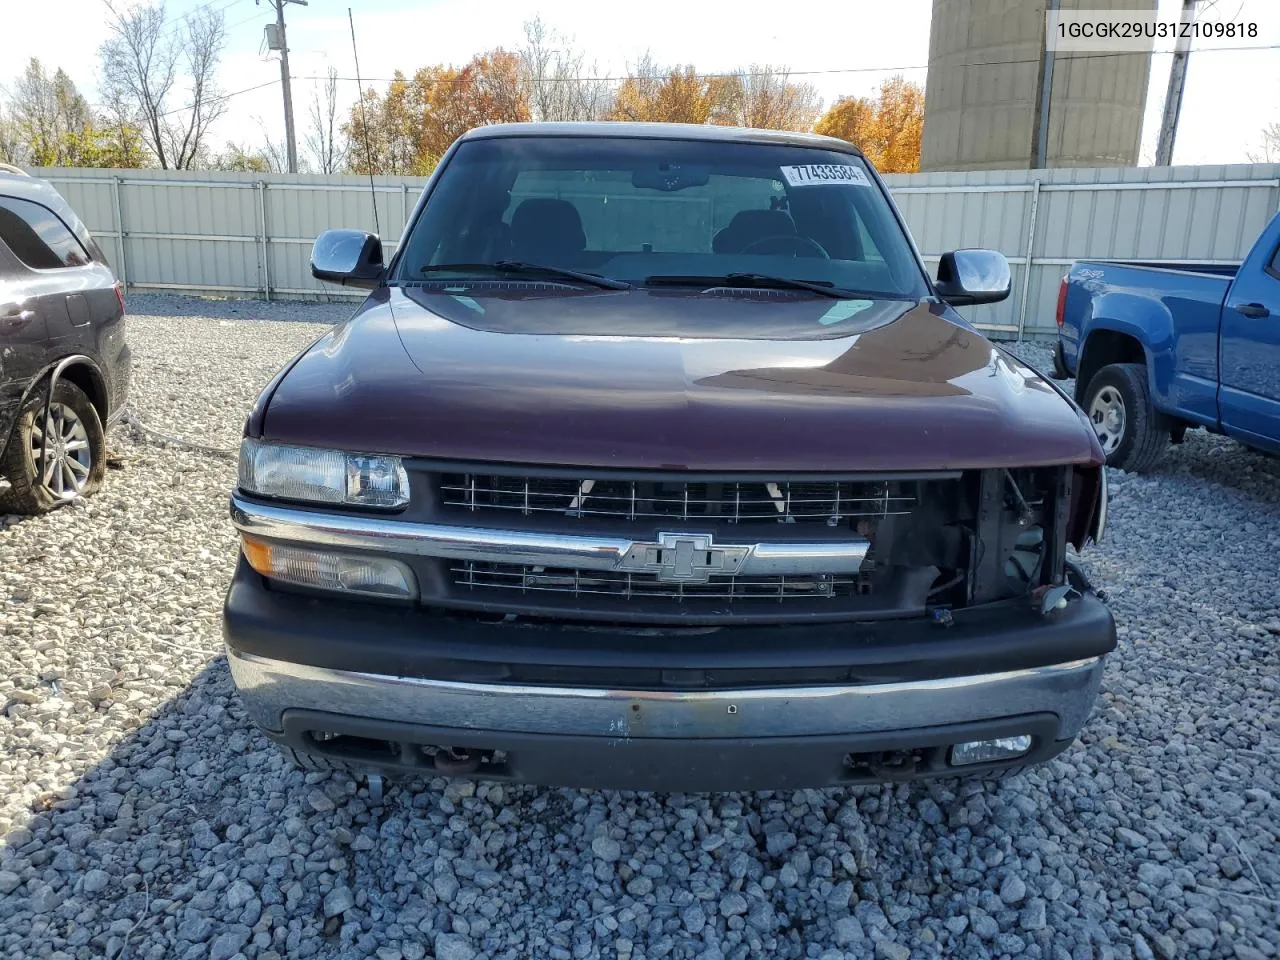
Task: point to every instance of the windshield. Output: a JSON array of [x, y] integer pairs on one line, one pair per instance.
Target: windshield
[[661, 212]]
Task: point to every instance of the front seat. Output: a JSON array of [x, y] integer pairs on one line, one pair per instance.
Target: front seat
[[750, 226], [543, 228]]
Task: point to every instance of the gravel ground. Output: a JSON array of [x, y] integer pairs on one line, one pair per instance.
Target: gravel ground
[[142, 817]]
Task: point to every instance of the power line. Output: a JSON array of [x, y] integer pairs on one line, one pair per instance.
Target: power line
[[239, 23], [218, 99], [814, 73], [696, 76], [704, 76], [181, 22], [355, 55], [225, 6], [200, 103]]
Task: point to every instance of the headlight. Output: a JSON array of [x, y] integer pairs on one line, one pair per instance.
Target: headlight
[[322, 476]]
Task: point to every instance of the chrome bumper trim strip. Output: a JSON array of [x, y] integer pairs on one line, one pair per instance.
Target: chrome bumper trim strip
[[270, 687], [362, 532]]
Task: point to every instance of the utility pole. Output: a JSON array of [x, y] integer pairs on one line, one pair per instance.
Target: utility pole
[[282, 44], [1177, 80], [1044, 93]]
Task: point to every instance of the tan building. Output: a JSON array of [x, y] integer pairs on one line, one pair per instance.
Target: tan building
[[981, 96]]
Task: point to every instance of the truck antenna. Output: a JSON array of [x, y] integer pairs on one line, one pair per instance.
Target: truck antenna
[[364, 122]]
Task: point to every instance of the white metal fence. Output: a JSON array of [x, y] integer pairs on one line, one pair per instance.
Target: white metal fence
[[250, 234], [1043, 220]]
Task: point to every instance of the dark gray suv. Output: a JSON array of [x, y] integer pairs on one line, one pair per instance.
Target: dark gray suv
[[64, 363]]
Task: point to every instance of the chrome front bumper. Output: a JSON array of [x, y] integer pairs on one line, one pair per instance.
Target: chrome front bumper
[[270, 688]]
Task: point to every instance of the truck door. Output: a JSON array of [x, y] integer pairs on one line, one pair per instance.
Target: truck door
[[1249, 394]]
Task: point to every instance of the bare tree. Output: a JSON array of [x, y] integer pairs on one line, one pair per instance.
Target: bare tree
[[1148, 138], [240, 159], [270, 156], [324, 138], [559, 84], [51, 121], [202, 42], [147, 64], [275, 152], [47, 123], [33, 110], [1270, 147], [12, 149], [139, 70], [763, 96]]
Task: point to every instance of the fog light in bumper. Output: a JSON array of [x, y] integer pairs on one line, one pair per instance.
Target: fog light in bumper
[[323, 570], [989, 751]]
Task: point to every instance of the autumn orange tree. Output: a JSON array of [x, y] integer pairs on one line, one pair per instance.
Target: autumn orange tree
[[407, 129], [887, 127], [758, 96], [764, 97], [654, 94]]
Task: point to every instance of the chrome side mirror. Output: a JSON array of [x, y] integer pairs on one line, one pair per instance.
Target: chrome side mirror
[[973, 276], [352, 258]]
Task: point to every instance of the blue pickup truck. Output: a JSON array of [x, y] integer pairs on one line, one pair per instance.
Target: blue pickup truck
[[1156, 350]]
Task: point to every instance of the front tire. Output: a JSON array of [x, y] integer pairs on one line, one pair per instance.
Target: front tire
[[1060, 371], [1132, 432], [313, 762], [75, 454]]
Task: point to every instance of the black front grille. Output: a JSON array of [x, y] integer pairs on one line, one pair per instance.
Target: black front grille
[[749, 501], [620, 585]]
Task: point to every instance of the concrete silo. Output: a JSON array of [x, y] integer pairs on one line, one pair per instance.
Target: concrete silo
[[981, 96]]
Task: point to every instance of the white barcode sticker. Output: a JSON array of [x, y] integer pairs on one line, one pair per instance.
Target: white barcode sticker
[[813, 174]]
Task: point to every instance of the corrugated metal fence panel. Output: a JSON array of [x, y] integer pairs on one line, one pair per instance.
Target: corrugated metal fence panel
[[204, 232], [296, 213], [942, 219], [1132, 215], [164, 222], [980, 208], [1123, 213], [1213, 222]]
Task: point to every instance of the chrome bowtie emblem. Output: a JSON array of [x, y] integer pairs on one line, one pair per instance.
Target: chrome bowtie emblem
[[684, 558]]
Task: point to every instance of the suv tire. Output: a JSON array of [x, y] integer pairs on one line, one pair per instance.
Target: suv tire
[[80, 438], [1133, 433]]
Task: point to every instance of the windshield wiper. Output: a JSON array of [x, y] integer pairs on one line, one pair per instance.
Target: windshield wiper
[[519, 266], [758, 280]]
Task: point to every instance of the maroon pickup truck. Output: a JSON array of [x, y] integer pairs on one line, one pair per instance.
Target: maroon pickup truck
[[655, 459]]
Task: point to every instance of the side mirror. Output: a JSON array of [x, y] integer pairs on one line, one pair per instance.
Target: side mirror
[[973, 276], [352, 258]]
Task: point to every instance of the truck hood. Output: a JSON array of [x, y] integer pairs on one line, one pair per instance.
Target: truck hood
[[673, 380]]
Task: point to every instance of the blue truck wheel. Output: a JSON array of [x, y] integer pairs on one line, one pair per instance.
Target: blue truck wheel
[[1133, 433]]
